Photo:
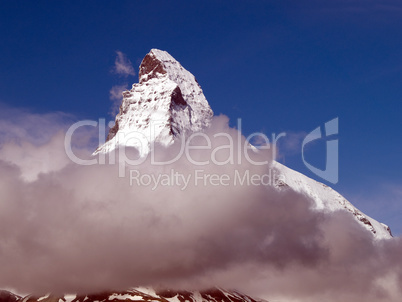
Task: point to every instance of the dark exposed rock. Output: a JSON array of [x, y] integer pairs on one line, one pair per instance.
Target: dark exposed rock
[[150, 66], [177, 97], [6, 296]]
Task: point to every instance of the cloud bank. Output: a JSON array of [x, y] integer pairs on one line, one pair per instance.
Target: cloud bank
[[73, 228]]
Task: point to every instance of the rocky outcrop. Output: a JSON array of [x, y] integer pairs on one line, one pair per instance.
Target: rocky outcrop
[[6, 296], [148, 295]]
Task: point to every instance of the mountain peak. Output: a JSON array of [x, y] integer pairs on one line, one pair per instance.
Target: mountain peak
[[167, 102]]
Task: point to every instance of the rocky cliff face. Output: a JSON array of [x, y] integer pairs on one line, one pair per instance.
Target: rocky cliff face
[[6, 296]]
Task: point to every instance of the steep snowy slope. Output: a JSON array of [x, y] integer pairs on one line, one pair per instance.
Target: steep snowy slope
[[327, 199]]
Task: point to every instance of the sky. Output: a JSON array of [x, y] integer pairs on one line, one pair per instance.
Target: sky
[[280, 66]]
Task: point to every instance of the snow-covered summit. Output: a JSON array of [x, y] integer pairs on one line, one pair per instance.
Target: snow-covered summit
[[166, 102]]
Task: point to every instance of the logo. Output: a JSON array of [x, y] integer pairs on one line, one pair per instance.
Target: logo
[[330, 173]]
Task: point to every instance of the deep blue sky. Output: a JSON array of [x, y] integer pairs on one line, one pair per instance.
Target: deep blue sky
[[279, 65]]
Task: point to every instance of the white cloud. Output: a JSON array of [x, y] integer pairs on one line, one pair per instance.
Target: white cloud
[[82, 228], [23, 125], [116, 96], [122, 65]]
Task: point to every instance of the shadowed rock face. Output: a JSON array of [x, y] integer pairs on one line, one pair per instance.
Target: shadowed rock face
[[6, 296], [177, 97], [150, 66]]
